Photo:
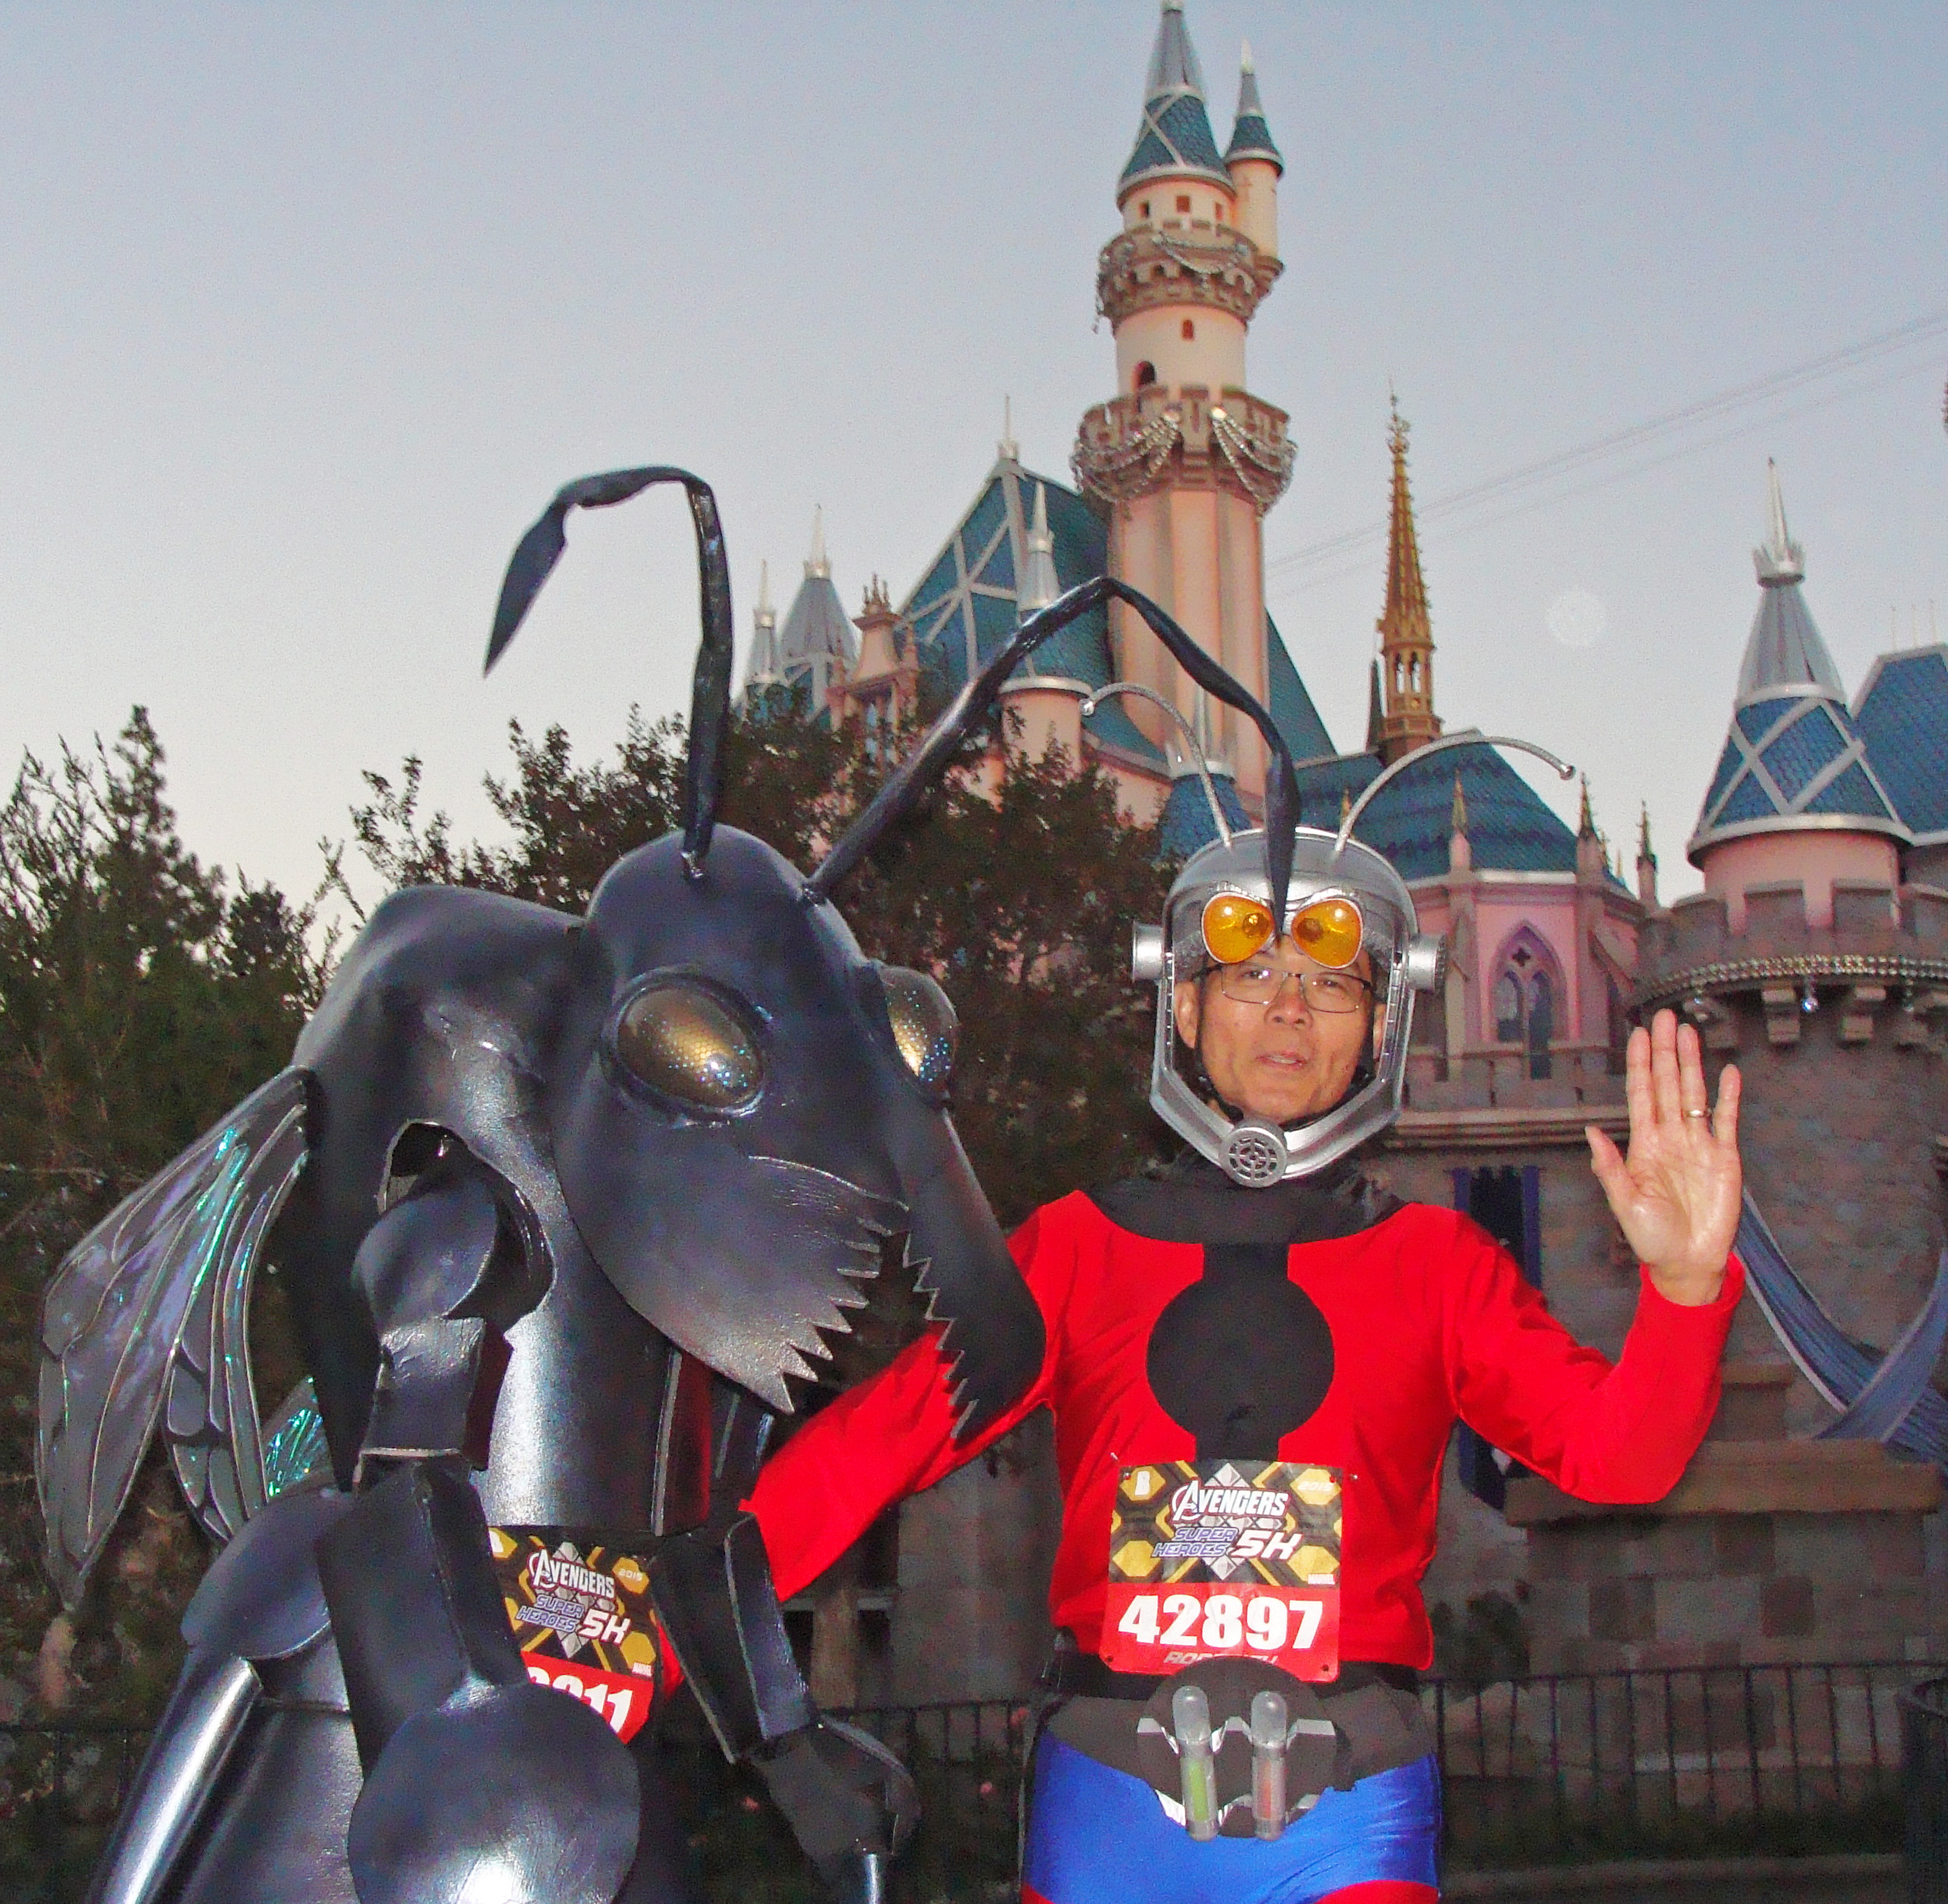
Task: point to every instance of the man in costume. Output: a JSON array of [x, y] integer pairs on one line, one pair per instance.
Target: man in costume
[[1255, 1361]]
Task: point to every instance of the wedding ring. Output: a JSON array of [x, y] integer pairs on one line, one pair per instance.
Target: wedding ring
[[1697, 1113]]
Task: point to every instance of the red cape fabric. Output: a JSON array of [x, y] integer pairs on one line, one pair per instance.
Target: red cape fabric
[[1432, 1322]]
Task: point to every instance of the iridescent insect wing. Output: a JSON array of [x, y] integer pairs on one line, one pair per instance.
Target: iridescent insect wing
[[149, 1304]]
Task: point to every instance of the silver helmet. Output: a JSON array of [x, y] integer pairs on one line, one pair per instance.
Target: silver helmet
[[1251, 1151]]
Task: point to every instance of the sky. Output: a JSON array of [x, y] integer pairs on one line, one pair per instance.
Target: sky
[[306, 310]]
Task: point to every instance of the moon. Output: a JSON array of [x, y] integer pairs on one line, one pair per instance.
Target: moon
[[1578, 618]]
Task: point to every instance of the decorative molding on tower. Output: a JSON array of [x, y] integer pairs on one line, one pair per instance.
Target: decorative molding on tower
[[1157, 438], [1190, 261], [1407, 634]]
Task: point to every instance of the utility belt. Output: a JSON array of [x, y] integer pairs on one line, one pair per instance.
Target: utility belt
[[1235, 1747], [1072, 1673]]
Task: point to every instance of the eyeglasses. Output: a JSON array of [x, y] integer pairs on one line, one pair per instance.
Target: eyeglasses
[[1258, 982], [1328, 930]]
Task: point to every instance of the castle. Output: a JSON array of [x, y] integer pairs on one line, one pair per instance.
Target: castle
[[1816, 955]]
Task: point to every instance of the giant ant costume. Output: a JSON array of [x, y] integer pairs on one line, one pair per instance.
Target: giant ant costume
[[1254, 1362], [566, 1206]]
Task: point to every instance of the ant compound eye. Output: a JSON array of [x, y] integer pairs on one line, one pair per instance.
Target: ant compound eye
[[925, 1027], [687, 1043]]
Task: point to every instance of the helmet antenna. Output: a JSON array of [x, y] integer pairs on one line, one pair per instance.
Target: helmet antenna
[[931, 759], [1468, 737], [1192, 752], [534, 560]]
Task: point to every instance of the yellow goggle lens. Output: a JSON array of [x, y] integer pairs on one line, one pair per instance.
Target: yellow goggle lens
[[1236, 927], [1328, 931]]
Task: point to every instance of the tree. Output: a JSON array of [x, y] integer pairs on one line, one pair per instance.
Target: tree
[[139, 998]]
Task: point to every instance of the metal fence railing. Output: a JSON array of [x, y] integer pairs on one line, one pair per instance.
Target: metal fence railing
[[61, 1786], [1780, 1758], [1713, 1761], [1924, 1758]]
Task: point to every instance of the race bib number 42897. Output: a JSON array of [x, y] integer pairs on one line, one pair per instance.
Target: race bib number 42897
[[1225, 1560]]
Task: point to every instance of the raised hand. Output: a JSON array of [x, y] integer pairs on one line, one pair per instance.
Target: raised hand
[[1676, 1195]]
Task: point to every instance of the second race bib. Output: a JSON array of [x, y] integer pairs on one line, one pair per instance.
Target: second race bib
[[1224, 1559], [582, 1618]]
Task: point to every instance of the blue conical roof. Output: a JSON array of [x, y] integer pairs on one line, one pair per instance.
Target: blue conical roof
[[1793, 761], [1902, 715], [1176, 136], [1251, 137]]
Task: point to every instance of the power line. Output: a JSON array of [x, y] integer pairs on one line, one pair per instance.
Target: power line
[[1351, 560], [1637, 436]]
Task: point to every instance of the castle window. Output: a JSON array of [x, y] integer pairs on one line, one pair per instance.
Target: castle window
[[1524, 1003], [1217, 212], [1146, 375], [1190, 330], [1183, 204], [1142, 210]]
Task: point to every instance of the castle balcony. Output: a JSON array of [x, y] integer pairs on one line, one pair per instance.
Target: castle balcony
[[1157, 438], [1882, 959], [1183, 261]]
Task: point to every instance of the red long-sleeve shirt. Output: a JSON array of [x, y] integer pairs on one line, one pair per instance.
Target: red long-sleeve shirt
[[1430, 1320]]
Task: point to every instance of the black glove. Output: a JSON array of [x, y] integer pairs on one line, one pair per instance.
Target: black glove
[[849, 1802]]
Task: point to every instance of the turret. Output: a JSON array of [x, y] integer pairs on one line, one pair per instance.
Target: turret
[[1254, 163], [1046, 709], [1187, 458], [764, 671], [1795, 798], [817, 646]]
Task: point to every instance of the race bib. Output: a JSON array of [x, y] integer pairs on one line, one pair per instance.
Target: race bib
[[1225, 1560], [582, 1619]]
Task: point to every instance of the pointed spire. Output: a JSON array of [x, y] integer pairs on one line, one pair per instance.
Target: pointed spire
[[1011, 450], [1406, 597], [1406, 633], [1779, 559], [1345, 804], [1586, 820], [763, 667], [1375, 712], [1646, 863], [1460, 850], [1039, 583], [1793, 761], [817, 564], [1785, 649], [1251, 137], [1176, 136]]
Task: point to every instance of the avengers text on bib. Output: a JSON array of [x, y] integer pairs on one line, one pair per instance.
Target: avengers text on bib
[[1225, 1559], [582, 1618]]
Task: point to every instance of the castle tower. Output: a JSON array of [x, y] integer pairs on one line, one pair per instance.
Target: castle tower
[[1407, 719], [764, 671], [817, 648], [1186, 459], [1795, 798]]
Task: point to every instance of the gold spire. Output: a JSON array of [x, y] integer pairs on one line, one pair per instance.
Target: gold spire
[[1458, 813], [1586, 820], [1407, 634], [1345, 803]]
